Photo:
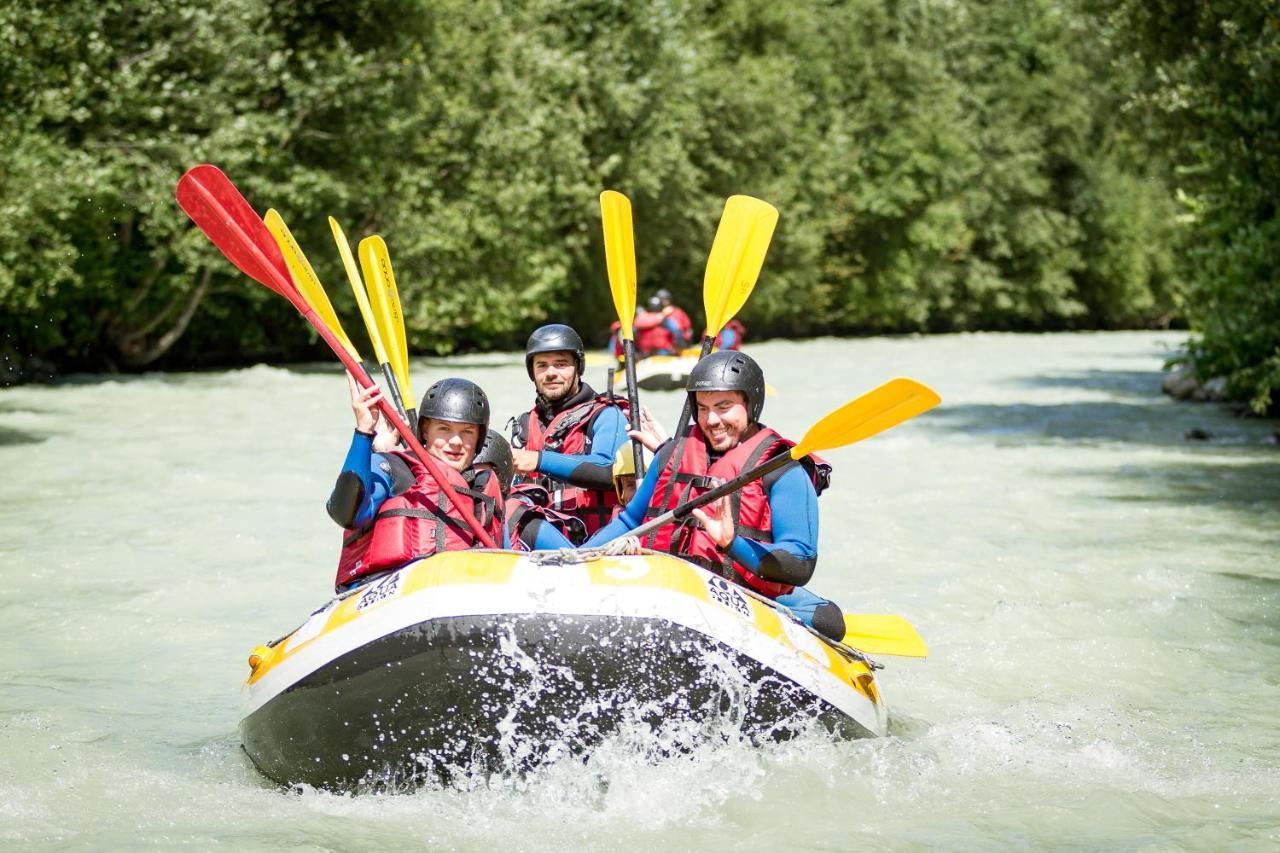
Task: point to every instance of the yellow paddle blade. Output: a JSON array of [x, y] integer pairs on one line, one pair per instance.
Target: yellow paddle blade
[[737, 254], [620, 256], [385, 301], [305, 278], [892, 403], [357, 287], [883, 634]]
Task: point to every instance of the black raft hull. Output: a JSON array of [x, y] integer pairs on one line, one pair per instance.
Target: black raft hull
[[490, 667]]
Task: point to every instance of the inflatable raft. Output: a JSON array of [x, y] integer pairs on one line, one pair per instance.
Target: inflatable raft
[[663, 372], [494, 661]]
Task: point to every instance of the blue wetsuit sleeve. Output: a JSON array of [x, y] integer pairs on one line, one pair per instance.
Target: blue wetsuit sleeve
[[793, 504], [677, 333], [376, 482], [592, 470], [550, 538], [728, 339], [632, 514]]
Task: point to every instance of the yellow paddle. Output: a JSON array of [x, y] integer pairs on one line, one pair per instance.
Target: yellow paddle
[[620, 259], [874, 412], [370, 323], [398, 343], [737, 254], [304, 277], [357, 288], [883, 634], [381, 286]]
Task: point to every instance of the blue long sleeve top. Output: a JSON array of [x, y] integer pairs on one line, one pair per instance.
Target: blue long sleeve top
[[677, 333], [793, 504], [375, 477]]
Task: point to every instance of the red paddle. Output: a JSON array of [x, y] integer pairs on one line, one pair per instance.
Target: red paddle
[[222, 213]]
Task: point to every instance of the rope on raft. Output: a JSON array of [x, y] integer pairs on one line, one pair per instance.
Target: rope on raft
[[627, 546]]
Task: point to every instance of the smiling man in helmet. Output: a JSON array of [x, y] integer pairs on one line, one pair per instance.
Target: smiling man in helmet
[[395, 509], [764, 536], [567, 441]]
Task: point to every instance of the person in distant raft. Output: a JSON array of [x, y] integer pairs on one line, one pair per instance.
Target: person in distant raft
[[731, 335], [393, 506], [764, 536], [567, 441], [678, 315], [656, 333]]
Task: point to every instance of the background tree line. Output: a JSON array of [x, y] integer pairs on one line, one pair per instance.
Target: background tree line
[[1012, 164]]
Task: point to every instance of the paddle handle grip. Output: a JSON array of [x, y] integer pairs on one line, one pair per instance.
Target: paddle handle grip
[[681, 512], [633, 397]]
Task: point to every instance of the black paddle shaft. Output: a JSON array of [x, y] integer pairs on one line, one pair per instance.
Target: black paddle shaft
[[686, 414], [633, 397], [681, 512]]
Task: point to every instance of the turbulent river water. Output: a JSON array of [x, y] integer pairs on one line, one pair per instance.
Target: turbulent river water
[[1100, 596]]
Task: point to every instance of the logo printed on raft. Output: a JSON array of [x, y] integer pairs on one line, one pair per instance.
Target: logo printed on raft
[[388, 587], [723, 593]]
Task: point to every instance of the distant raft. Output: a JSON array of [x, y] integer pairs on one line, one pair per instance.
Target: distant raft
[[493, 661]]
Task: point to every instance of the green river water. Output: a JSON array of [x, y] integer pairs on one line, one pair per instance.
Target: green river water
[[1101, 598]]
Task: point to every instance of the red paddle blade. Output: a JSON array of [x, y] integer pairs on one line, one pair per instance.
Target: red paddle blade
[[226, 218]]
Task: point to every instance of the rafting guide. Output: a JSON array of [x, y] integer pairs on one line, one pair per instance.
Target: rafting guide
[[566, 443], [457, 643]]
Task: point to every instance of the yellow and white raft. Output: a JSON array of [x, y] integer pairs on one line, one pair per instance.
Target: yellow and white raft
[[499, 661], [664, 372]]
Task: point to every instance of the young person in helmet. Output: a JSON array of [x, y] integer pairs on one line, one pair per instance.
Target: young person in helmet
[[764, 536], [566, 442], [395, 509]]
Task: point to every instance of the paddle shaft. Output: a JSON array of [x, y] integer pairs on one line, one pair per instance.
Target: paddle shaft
[[715, 494], [633, 397], [686, 415], [279, 283], [394, 387]]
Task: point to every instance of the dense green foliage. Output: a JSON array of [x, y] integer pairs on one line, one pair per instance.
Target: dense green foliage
[[1213, 87], [937, 166]]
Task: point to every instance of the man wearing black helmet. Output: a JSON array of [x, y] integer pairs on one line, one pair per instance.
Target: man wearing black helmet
[[566, 442], [395, 509], [765, 536]]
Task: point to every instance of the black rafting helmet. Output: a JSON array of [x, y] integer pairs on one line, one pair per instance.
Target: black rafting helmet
[[497, 452], [655, 304], [458, 400], [664, 295], [555, 337], [729, 370]]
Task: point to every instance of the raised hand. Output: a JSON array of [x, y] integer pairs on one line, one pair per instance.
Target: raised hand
[[717, 520], [364, 402], [651, 433]]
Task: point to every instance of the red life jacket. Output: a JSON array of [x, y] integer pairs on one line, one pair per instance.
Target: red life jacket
[[417, 523], [569, 433], [652, 336], [528, 502], [752, 515]]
